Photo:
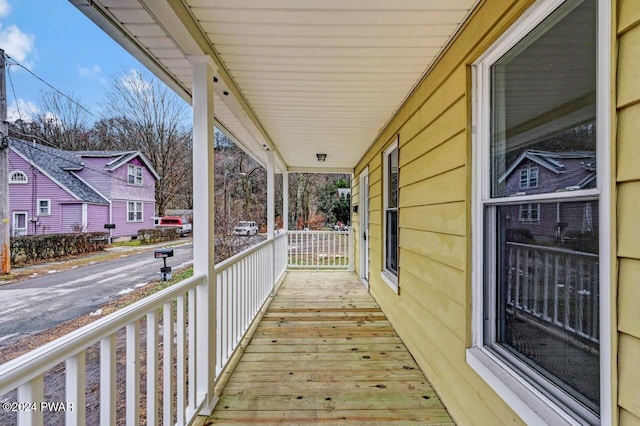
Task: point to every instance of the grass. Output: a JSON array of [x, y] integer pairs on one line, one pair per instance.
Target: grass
[[132, 243]]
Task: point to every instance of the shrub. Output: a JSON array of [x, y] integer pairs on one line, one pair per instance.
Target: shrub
[[38, 248], [157, 235]]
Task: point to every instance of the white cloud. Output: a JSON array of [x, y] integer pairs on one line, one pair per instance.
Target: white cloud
[[5, 8], [91, 72], [22, 109], [17, 44], [134, 82]]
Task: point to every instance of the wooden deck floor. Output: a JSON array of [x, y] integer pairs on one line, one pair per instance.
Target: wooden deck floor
[[325, 353]]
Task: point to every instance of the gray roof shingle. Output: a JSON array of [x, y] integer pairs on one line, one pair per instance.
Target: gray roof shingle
[[59, 165]]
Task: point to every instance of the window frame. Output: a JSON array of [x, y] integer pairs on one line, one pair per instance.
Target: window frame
[[136, 213], [14, 228], [18, 182], [134, 175], [528, 172], [533, 405], [48, 201], [530, 207], [390, 278]]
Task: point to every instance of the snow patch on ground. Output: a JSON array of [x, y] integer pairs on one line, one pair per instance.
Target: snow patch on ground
[[53, 271], [125, 291], [140, 285], [96, 313]]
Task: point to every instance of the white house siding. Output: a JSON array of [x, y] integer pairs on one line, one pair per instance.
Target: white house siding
[[71, 217]]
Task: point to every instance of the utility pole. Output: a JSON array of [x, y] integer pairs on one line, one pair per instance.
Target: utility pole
[[5, 249]]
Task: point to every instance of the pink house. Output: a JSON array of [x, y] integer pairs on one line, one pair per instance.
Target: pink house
[[56, 191]]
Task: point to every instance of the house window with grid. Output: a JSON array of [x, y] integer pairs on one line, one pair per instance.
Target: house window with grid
[[537, 295], [391, 190], [530, 212], [18, 177], [529, 177], [135, 175], [134, 211], [44, 207]]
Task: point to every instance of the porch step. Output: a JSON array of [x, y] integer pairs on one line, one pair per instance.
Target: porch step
[[325, 353]]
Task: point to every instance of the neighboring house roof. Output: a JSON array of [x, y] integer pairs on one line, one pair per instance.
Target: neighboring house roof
[[120, 158], [556, 162], [58, 165]]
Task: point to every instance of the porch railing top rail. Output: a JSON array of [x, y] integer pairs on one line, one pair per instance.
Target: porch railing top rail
[[32, 364]]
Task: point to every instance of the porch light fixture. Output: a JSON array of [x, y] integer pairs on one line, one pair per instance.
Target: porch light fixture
[[321, 157]]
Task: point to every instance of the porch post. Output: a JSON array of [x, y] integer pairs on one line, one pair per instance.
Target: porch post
[[203, 232], [285, 201], [270, 194]]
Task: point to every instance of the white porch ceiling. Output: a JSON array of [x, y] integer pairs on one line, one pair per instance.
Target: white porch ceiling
[[301, 76]]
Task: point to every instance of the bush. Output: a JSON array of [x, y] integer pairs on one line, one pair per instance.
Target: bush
[[38, 248], [157, 235]]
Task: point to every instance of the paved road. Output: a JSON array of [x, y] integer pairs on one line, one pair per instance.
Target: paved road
[[42, 302]]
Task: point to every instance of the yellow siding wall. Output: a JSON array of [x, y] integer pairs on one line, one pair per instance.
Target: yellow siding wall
[[432, 311], [628, 187]]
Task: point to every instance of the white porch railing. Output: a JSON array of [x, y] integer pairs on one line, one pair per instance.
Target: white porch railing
[[156, 334], [244, 282], [320, 250], [556, 286]]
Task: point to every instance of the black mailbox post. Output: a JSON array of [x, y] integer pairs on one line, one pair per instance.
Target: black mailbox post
[[165, 272]]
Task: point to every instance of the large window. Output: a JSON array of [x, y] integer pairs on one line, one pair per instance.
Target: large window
[[537, 256], [134, 211], [390, 174]]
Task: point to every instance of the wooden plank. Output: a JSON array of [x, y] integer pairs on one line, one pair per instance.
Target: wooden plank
[[269, 357], [333, 376], [326, 348], [326, 357], [372, 417], [407, 386], [329, 401]]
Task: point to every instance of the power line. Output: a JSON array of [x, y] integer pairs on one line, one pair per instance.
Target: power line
[[16, 63]]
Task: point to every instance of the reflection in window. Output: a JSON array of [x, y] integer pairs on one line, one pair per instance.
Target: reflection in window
[[542, 263]]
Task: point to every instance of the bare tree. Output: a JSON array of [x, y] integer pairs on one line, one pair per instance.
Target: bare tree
[[147, 116], [62, 123]]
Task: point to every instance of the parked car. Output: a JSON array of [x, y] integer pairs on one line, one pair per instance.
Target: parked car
[[245, 227], [183, 225]]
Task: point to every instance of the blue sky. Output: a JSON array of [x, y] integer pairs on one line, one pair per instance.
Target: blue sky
[[59, 44]]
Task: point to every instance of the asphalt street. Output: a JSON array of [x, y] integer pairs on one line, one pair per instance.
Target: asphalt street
[[55, 296]]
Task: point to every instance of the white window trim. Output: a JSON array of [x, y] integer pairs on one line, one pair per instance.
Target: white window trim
[[48, 213], [26, 222], [388, 277], [21, 182], [134, 168], [135, 211], [528, 171], [528, 402], [530, 207]]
